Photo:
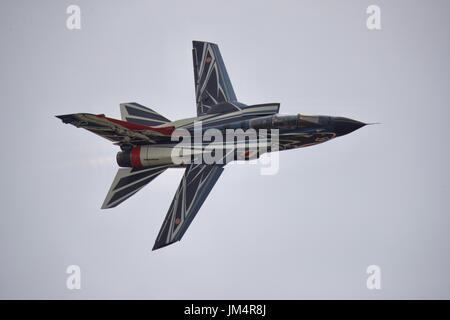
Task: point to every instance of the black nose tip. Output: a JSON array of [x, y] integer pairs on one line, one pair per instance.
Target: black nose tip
[[343, 126]]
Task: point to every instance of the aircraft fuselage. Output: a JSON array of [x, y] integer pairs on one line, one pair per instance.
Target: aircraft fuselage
[[243, 136]]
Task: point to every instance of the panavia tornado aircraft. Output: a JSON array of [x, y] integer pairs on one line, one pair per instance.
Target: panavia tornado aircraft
[[144, 137]]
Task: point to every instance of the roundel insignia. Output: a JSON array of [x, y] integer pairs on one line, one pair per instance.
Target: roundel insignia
[[177, 221], [248, 154]]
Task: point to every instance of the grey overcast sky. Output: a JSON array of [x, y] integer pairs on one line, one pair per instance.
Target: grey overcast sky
[[377, 196]]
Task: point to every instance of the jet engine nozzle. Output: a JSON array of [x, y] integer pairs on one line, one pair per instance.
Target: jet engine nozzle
[[124, 159]]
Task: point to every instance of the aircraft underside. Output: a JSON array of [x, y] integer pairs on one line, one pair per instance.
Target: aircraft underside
[[150, 143]]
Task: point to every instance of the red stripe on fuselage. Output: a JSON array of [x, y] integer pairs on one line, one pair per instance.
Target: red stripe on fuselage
[[136, 157], [139, 127]]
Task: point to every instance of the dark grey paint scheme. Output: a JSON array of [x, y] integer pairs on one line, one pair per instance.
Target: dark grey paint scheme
[[217, 107], [212, 83], [197, 182]]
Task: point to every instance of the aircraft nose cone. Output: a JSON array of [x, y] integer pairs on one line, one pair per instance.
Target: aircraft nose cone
[[343, 126]]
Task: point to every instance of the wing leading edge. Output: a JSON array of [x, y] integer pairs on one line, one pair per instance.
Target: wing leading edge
[[197, 182]]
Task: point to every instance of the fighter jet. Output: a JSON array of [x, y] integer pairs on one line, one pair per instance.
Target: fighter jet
[[145, 138]]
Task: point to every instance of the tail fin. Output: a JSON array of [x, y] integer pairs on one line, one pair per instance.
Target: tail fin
[[135, 113], [127, 182]]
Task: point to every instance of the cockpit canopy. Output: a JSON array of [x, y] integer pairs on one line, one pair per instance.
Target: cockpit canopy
[[287, 122]]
